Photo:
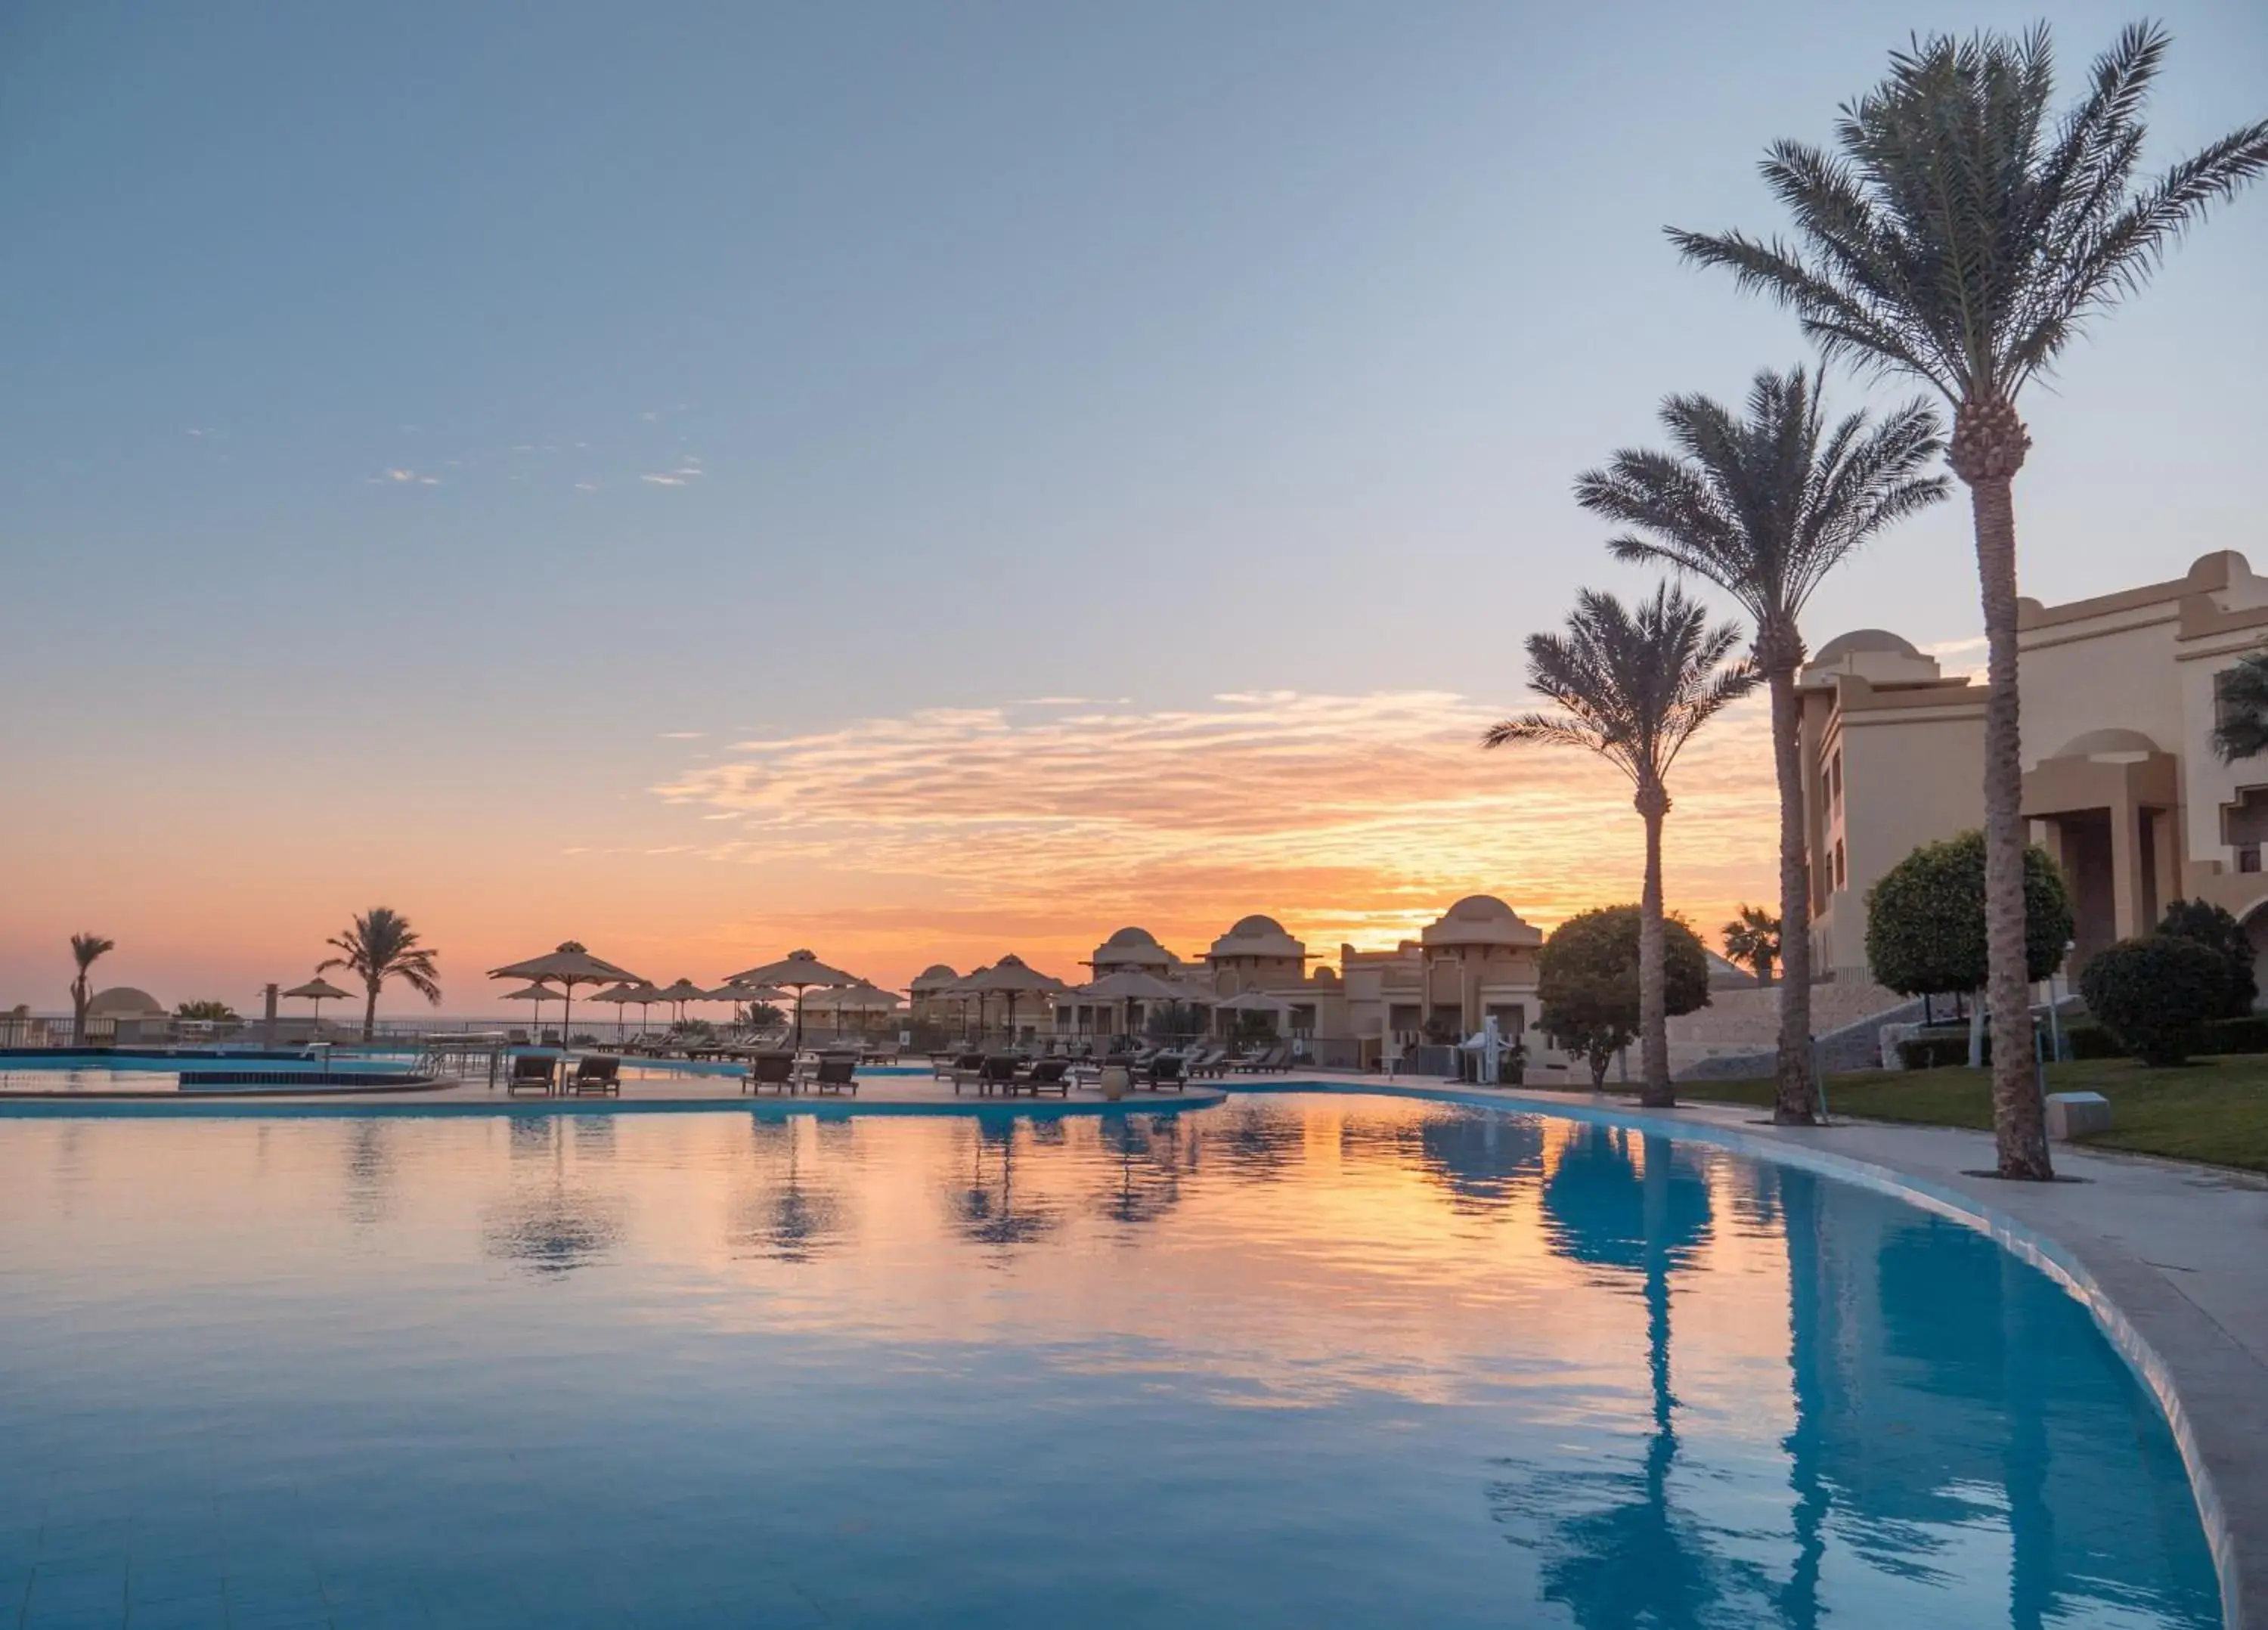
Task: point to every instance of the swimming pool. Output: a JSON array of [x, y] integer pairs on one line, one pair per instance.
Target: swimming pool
[[1295, 1359]]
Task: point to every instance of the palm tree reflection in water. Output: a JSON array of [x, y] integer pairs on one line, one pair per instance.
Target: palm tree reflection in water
[[1618, 1554]]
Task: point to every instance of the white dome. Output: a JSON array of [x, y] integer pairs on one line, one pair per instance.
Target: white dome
[[1864, 640]]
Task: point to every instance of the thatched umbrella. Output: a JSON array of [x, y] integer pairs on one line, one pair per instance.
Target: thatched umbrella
[[318, 991], [1010, 978], [567, 967], [798, 971], [1126, 987], [681, 992]]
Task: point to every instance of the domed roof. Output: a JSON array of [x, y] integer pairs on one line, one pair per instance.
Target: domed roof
[[935, 974], [1864, 640], [2102, 743], [124, 1001], [1480, 919], [1131, 947], [1257, 936]]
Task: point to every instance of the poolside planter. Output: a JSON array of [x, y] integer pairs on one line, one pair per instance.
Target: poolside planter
[[1115, 1080]]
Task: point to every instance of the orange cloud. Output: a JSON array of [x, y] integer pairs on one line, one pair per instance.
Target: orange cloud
[[1353, 818]]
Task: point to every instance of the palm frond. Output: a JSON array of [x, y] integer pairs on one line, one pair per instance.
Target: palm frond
[[1960, 232]]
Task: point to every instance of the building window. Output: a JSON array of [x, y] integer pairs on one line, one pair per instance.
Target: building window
[[1835, 780], [1842, 877]]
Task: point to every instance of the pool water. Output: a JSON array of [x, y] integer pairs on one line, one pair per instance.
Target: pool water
[[1297, 1360]]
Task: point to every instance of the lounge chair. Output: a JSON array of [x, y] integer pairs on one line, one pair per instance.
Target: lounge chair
[[968, 1067], [532, 1072], [1164, 1071], [1259, 1063], [1045, 1075], [595, 1077], [838, 1072], [516, 1038], [1212, 1061], [998, 1071], [774, 1070]]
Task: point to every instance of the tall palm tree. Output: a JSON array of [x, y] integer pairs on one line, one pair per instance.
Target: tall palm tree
[[1635, 685], [1962, 235], [86, 950], [1765, 504], [380, 946]]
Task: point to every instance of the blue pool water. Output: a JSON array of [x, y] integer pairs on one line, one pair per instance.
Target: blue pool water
[[1298, 1360]]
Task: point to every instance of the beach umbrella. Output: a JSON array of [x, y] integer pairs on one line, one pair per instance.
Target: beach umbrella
[[684, 991], [319, 991], [749, 993], [535, 994], [1010, 978], [798, 971], [1254, 1001], [567, 967], [1127, 986], [621, 996]]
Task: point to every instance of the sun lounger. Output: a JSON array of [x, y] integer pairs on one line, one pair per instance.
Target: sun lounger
[[595, 1077], [774, 1070], [838, 1072], [1045, 1075], [515, 1038], [998, 1071], [1164, 1071], [966, 1068], [532, 1072], [1206, 1061]]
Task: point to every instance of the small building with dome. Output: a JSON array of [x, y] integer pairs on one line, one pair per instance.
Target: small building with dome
[[1474, 962]]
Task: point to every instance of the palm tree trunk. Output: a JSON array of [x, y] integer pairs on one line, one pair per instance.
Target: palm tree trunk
[[1654, 1091], [1795, 1100], [370, 1011], [2019, 1126], [79, 997]]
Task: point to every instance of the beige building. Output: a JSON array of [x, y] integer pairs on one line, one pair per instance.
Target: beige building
[[1475, 962], [2121, 782]]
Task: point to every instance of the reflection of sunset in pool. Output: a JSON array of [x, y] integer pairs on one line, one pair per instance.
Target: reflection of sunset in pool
[[1294, 1360]]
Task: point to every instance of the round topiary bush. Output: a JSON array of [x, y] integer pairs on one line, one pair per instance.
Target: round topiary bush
[[2155, 994]]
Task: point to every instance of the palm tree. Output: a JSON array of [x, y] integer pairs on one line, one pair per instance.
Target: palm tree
[[1753, 940], [1635, 686], [1765, 504], [380, 946], [1963, 237], [86, 949], [2241, 697]]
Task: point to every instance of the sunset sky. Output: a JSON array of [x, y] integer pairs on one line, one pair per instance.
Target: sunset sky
[[919, 481]]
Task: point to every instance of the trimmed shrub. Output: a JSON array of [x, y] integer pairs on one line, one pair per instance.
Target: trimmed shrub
[[1926, 918], [2213, 926], [2088, 1039], [2248, 1034], [2156, 993]]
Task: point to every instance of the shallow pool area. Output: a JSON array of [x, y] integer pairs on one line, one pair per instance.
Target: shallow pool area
[[1293, 1360]]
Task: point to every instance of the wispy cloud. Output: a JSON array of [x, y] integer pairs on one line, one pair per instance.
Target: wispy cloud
[[665, 481], [682, 735], [1359, 816]]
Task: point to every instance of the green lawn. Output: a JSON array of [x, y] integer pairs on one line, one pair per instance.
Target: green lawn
[[2214, 1109]]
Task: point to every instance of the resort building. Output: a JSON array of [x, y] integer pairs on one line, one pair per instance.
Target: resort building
[[1134, 950], [1475, 962], [2120, 696]]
